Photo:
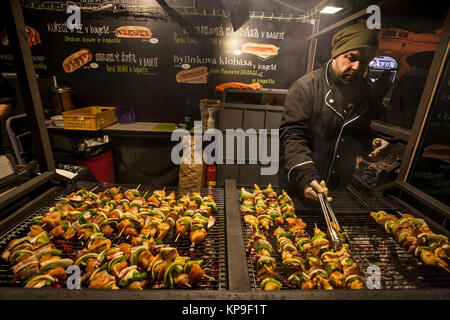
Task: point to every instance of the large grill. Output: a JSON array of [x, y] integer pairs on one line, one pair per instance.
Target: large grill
[[212, 251], [370, 244], [228, 262]]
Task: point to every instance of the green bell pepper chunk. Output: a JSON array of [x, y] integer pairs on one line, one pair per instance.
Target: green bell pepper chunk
[[320, 235], [114, 261], [263, 261], [402, 237], [331, 267], [112, 223], [143, 239], [17, 254], [91, 226], [36, 221], [43, 239], [200, 218], [83, 259], [282, 196], [274, 214], [267, 280], [171, 222], [287, 234], [197, 199], [92, 195], [196, 227], [245, 195], [289, 214], [175, 267], [261, 247], [81, 219], [135, 193], [190, 263], [156, 243], [136, 255], [212, 205], [136, 277], [53, 252], [111, 191], [186, 223], [82, 192], [104, 267], [63, 201], [65, 225], [349, 261], [301, 243], [157, 213], [189, 213]]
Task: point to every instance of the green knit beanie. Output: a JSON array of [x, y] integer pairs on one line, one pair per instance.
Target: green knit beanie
[[353, 37]]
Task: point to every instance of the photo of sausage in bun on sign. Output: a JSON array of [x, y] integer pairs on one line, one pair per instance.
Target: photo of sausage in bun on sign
[[133, 32], [437, 151], [261, 50], [194, 75], [76, 60]]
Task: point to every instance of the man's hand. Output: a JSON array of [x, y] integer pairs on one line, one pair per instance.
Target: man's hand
[[312, 190], [5, 109], [380, 148]]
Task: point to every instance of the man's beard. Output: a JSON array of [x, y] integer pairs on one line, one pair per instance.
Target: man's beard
[[350, 77]]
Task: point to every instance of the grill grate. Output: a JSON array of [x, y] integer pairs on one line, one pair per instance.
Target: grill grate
[[369, 243], [213, 250]]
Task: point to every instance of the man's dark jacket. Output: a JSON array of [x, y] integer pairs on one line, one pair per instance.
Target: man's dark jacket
[[325, 125]]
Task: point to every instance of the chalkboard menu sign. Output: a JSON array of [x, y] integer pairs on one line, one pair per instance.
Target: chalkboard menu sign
[[154, 65], [430, 171]]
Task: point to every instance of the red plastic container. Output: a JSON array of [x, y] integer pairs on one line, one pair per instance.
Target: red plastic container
[[101, 167]]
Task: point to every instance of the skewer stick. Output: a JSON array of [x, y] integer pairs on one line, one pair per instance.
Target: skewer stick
[[94, 189], [178, 235], [145, 194], [80, 236], [121, 232], [138, 187], [188, 285], [43, 225], [208, 277]]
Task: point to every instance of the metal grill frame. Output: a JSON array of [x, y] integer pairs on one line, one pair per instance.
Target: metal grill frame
[[399, 269], [216, 245], [237, 275]]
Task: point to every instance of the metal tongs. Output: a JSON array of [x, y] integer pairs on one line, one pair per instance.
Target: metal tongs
[[332, 223]]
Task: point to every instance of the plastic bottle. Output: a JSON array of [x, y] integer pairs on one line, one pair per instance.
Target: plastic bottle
[[211, 120]]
